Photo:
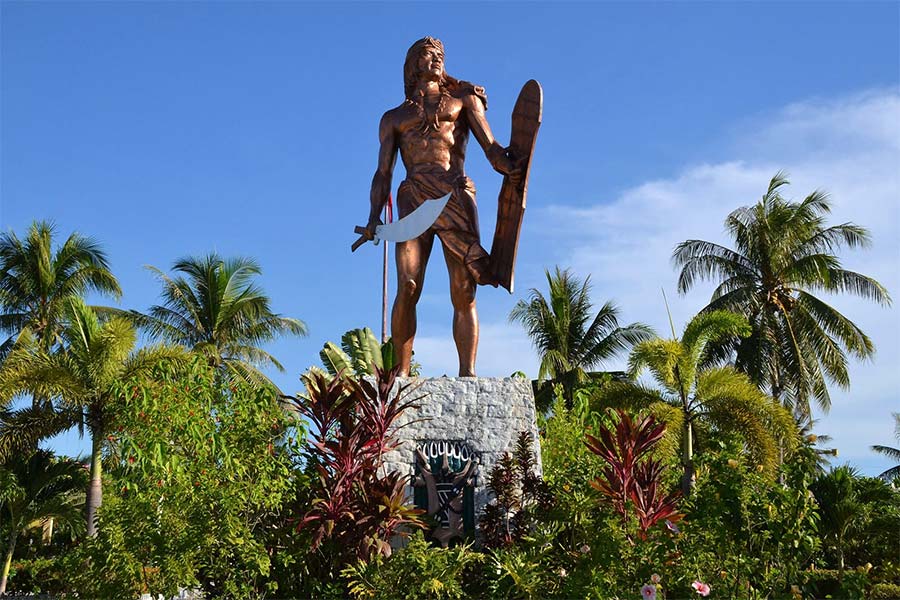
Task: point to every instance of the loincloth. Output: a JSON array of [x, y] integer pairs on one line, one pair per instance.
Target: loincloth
[[457, 225]]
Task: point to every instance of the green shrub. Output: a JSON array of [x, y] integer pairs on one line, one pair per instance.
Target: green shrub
[[418, 571], [885, 591], [760, 534], [38, 576], [826, 583], [199, 472]]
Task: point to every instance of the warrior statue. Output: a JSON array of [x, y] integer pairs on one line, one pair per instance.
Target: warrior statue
[[430, 129]]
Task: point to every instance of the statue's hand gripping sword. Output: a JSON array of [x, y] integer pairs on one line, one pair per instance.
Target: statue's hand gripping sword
[[409, 227]]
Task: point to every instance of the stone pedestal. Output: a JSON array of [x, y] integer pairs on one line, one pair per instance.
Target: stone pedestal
[[487, 414]]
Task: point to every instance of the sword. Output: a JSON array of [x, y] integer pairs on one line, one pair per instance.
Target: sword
[[409, 227]]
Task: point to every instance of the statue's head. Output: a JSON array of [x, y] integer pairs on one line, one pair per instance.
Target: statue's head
[[425, 58]]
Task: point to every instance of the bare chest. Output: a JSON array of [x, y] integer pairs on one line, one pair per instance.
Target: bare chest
[[441, 123]]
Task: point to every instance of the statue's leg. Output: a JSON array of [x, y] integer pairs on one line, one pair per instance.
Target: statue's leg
[[465, 317], [412, 257]]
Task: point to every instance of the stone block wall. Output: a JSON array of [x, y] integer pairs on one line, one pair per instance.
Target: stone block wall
[[486, 413]]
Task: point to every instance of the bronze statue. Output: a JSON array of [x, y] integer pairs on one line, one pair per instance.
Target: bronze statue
[[430, 129]]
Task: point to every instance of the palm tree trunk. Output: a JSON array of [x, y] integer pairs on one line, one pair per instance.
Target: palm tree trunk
[[840, 558], [95, 488], [9, 554], [687, 458], [47, 532], [776, 393]]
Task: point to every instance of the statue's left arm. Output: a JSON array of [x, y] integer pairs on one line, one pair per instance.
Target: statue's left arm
[[496, 154]]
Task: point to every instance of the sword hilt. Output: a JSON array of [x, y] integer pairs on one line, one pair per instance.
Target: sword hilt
[[364, 236]]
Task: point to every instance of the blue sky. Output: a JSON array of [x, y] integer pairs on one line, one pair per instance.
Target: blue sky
[[173, 129]]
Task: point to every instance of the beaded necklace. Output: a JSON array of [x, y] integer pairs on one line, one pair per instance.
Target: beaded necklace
[[429, 121]]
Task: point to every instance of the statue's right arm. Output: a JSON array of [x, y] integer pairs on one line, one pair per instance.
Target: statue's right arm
[[387, 157]]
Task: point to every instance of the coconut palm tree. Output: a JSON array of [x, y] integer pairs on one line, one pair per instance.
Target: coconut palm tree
[[691, 394], [892, 453], [82, 377], [816, 444], [35, 489], [566, 332], [784, 254], [215, 309], [37, 281]]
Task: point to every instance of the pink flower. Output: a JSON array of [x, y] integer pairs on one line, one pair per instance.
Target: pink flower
[[701, 588], [655, 578], [672, 527], [648, 592]]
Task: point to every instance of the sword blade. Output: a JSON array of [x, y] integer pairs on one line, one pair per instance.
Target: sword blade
[[414, 224]]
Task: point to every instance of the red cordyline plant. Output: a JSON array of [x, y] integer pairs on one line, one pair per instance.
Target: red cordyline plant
[[520, 495], [356, 505], [631, 477]]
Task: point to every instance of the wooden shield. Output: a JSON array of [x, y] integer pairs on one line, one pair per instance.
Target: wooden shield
[[526, 119]]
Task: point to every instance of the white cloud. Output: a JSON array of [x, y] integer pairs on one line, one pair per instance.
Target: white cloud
[[849, 147]]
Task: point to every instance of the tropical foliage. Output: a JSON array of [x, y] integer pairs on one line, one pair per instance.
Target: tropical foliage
[[753, 536], [37, 282], [855, 512], [520, 495], [34, 490], [82, 377], [707, 397], [695, 480], [214, 308], [631, 479], [892, 453], [419, 571], [783, 255], [569, 337], [359, 354], [357, 507], [203, 474]]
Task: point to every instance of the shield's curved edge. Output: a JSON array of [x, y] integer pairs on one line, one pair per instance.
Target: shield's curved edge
[[526, 120]]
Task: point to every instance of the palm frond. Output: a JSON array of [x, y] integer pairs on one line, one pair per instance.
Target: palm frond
[[731, 402], [831, 239], [840, 280], [700, 260], [630, 396], [891, 474], [711, 327], [47, 376], [796, 344], [168, 324], [147, 359], [553, 365], [604, 339], [21, 430], [833, 323], [661, 357], [892, 453], [250, 375]]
